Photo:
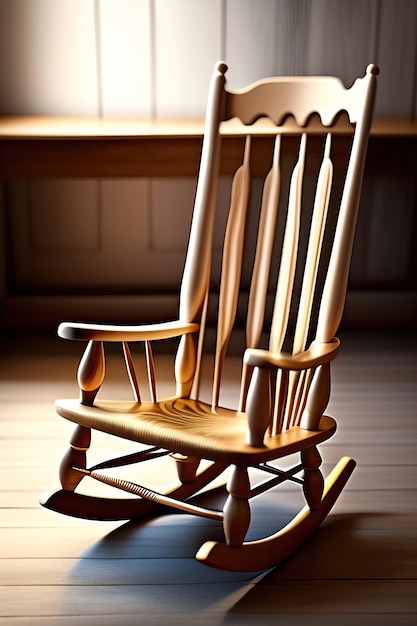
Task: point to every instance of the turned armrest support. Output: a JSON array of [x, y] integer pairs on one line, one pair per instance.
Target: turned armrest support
[[106, 332], [259, 400], [317, 354]]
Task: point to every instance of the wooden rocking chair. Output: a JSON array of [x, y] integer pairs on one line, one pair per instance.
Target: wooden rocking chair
[[307, 224]]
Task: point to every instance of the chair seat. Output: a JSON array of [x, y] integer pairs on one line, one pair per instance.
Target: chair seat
[[192, 428]]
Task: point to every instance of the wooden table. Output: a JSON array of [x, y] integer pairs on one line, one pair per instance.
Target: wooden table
[[68, 147], [54, 146]]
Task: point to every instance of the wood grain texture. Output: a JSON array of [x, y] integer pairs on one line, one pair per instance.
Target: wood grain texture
[[58, 570]]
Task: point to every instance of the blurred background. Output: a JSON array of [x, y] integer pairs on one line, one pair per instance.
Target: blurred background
[[101, 248]]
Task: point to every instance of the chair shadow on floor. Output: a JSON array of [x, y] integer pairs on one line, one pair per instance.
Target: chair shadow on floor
[[153, 561], [351, 565]]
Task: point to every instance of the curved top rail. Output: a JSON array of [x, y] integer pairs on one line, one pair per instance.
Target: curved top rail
[[292, 95]]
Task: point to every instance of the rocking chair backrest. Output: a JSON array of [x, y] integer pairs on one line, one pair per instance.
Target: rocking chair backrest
[[309, 225]]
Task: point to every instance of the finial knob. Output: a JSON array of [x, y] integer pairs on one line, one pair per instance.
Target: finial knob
[[372, 69], [221, 67]]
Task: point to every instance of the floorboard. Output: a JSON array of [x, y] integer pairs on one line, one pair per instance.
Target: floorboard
[[359, 567]]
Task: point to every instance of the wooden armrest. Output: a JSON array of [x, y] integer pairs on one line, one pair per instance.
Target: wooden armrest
[[105, 332], [317, 354]]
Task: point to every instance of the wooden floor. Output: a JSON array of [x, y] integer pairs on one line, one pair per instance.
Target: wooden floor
[[359, 568]]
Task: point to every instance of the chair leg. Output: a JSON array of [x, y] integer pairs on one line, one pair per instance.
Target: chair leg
[[187, 467], [313, 478], [270, 551], [75, 457], [236, 509]]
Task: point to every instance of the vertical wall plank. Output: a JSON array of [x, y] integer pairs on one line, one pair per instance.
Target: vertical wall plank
[[188, 36], [250, 41], [342, 38], [46, 235], [125, 34], [292, 32], [3, 269], [172, 206], [299, 37], [125, 216], [188, 44], [390, 244], [397, 57], [48, 57], [48, 65], [54, 224], [383, 250], [126, 81]]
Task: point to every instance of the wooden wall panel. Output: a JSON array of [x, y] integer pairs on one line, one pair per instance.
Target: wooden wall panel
[[187, 45], [125, 29], [188, 37], [125, 216], [390, 238], [397, 54], [170, 219], [46, 236], [250, 41], [385, 246], [125, 45], [48, 65], [384, 242], [3, 266], [292, 28], [54, 225], [48, 57], [300, 37], [124, 249], [342, 38]]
